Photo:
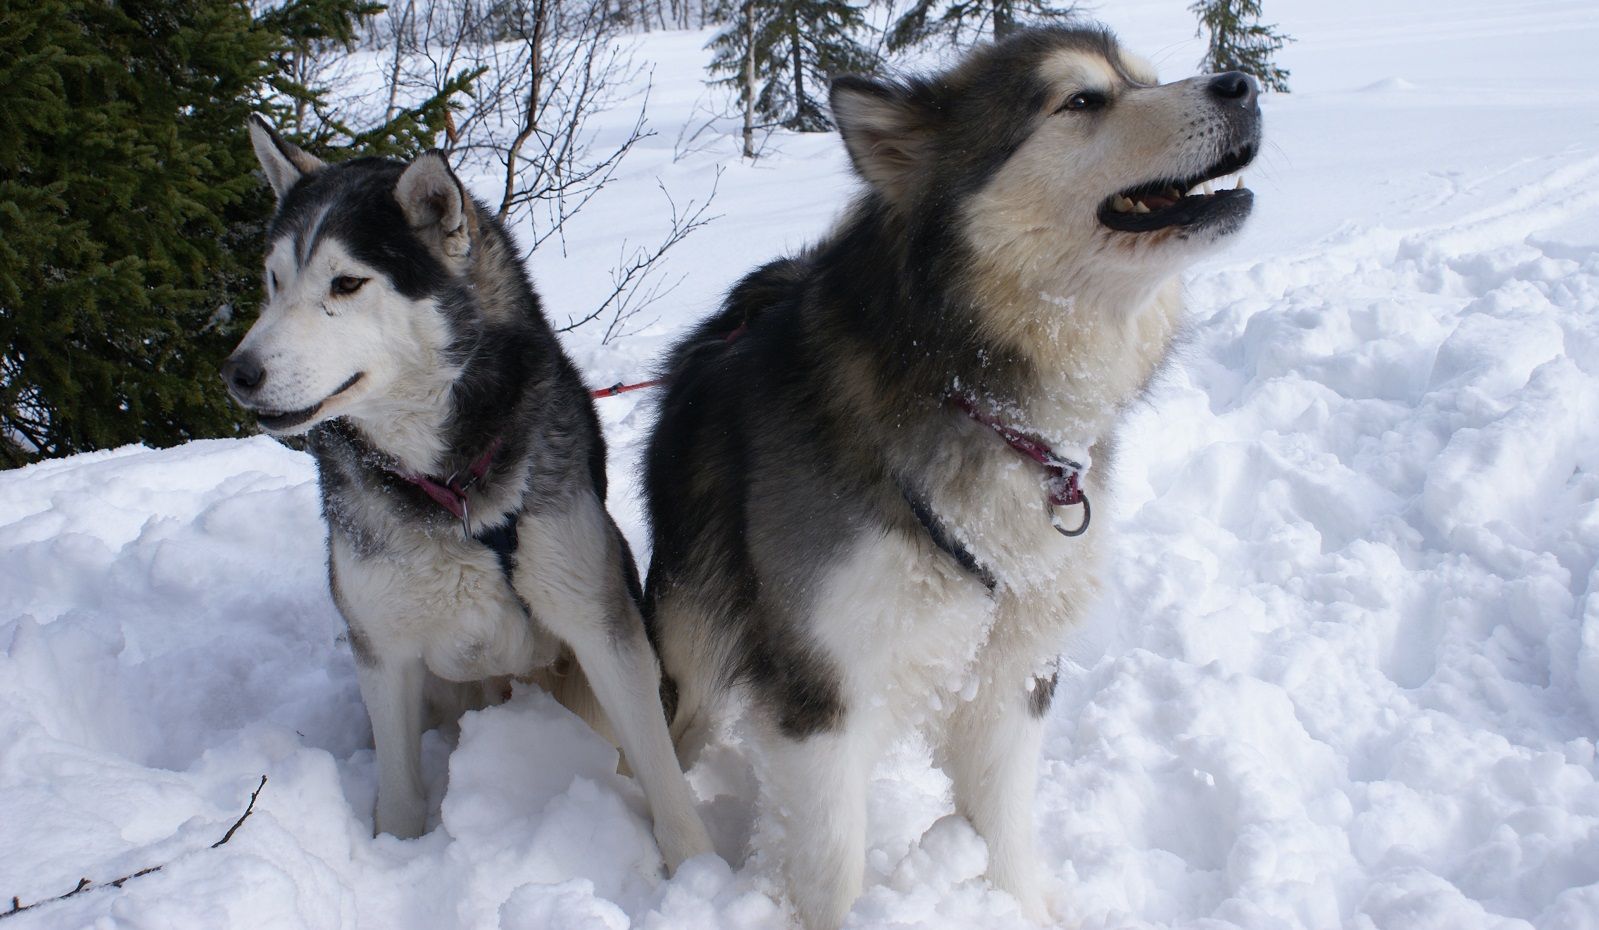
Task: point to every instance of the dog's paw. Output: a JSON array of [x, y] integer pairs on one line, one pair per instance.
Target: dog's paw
[[1042, 899], [682, 841], [1037, 906], [1019, 876], [405, 820], [1060, 905]]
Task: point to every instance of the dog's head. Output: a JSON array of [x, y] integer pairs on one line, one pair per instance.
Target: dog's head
[[364, 259], [1055, 150]]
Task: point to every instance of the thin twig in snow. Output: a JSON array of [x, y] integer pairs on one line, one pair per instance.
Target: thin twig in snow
[[84, 884]]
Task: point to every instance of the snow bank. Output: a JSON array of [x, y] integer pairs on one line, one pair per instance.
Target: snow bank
[[1346, 673]]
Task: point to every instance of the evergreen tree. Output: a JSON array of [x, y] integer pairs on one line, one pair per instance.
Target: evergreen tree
[[1240, 42], [781, 54], [960, 20], [130, 213]]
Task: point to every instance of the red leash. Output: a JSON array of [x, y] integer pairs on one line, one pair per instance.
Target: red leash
[[620, 388]]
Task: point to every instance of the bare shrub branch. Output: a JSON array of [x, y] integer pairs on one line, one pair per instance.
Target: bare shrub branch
[[85, 885], [637, 281], [545, 70]]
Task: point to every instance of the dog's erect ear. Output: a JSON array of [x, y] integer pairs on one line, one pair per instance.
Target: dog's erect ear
[[284, 162], [434, 202], [886, 130]]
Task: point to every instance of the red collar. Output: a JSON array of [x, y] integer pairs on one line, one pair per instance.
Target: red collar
[[1063, 487], [451, 492]]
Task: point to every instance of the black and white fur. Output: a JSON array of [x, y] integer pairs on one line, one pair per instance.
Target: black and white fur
[[401, 331], [825, 519]]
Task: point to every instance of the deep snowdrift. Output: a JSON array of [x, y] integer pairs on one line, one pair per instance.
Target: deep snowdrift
[[1347, 673]]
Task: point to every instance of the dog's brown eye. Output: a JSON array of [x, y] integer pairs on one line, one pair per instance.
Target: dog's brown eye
[[1084, 100], [345, 285]]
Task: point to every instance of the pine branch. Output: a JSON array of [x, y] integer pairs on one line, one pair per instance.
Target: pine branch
[[84, 884]]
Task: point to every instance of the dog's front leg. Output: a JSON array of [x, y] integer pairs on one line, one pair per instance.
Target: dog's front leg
[[573, 577], [990, 753], [817, 785], [391, 687]]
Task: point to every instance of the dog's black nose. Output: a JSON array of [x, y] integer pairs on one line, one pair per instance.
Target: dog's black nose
[[1235, 86], [243, 373]]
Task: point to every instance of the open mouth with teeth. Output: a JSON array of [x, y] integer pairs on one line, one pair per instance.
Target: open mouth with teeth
[[1192, 203], [288, 419]]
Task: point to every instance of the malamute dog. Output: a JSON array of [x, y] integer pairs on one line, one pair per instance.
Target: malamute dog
[[461, 464], [871, 478]]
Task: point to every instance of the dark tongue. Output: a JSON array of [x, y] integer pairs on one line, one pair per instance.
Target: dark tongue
[[1156, 201]]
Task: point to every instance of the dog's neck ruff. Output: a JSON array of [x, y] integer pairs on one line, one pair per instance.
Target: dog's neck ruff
[[1062, 483]]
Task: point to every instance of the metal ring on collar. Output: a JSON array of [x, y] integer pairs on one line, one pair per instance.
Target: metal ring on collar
[[1081, 527]]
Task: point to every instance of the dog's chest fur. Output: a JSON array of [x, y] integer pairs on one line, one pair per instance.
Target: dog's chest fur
[[406, 573], [921, 618]]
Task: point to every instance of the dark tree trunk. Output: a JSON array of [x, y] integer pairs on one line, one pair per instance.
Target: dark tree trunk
[[749, 78], [799, 64], [1004, 19]]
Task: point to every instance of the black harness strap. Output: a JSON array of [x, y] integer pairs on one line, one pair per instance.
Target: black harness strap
[[502, 539], [943, 540]]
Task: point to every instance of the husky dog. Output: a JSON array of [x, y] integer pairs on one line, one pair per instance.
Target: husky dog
[[855, 478], [461, 464]]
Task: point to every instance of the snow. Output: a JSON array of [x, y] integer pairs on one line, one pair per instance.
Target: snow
[[1345, 674]]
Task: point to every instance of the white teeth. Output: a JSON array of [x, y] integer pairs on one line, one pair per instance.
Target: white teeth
[[1240, 185], [1207, 188], [1121, 204], [1174, 193], [1140, 207]]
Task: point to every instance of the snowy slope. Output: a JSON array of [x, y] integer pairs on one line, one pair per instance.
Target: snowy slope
[[1346, 675]]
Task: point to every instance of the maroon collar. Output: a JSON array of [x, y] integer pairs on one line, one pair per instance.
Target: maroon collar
[[1063, 487], [451, 492]]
